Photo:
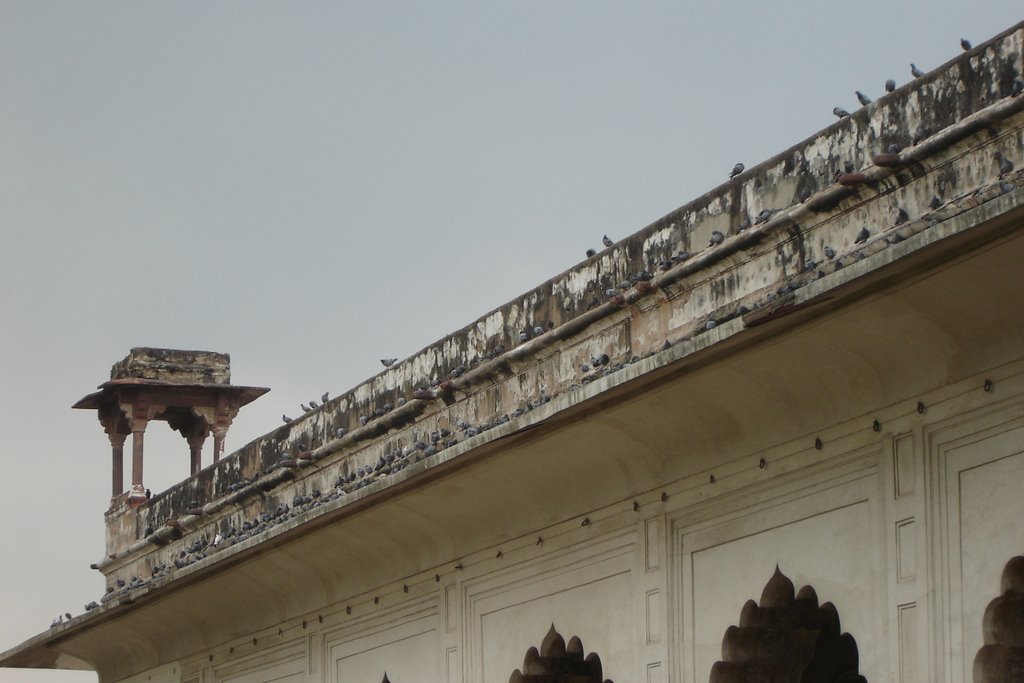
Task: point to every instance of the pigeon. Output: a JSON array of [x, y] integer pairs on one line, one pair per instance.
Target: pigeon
[[901, 217], [736, 170], [862, 98], [304, 407], [1005, 187], [681, 256], [862, 236], [285, 419], [524, 336], [339, 432], [313, 405], [584, 368], [591, 252], [624, 285], [890, 85], [666, 346], [1017, 88], [965, 44], [915, 72], [830, 253], [840, 112], [763, 217], [325, 397], [1005, 166], [68, 615], [665, 264], [848, 167], [716, 238], [388, 362], [935, 203], [893, 149], [537, 331], [363, 420], [611, 292], [607, 241]]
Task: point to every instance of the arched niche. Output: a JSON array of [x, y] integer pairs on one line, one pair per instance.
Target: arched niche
[[788, 636], [559, 662], [1001, 658]]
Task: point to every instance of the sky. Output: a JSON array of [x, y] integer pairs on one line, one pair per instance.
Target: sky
[[313, 186]]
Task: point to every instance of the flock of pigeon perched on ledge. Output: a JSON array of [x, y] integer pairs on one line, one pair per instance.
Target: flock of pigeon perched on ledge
[[429, 444]]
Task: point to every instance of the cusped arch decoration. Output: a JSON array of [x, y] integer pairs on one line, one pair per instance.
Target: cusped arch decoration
[[559, 662], [787, 637], [1001, 658]]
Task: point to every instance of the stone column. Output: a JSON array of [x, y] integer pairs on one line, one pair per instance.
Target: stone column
[[138, 492], [218, 442], [195, 446], [117, 446]]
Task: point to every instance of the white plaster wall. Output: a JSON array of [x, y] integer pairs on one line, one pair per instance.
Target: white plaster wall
[[905, 530]]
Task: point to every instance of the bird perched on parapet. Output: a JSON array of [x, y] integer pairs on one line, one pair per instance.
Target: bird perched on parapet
[[862, 236], [935, 203], [624, 285], [285, 419], [736, 170], [901, 217], [763, 217], [915, 72], [611, 292], [388, 362], [606, 241], [339, 432], [313, 405], [862, 98], [1005, 165], [524, 336], [848, 167], [716, 238], [1017, 88], [840, 112], [965, 44], [680, 257], [538, 330], [363, 420], [830, 253], [893, 149], [68, 615], [665, 264], [591, 252], [1005, 187], [598, 361], [890, 85], [642, 276], [325, 397], [304, 407]]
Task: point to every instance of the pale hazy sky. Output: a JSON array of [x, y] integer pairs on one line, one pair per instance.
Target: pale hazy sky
[[311, 186]]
